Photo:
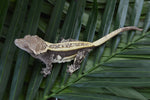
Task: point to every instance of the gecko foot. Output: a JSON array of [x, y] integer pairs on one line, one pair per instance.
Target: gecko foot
[[72, 68], [46, 71]]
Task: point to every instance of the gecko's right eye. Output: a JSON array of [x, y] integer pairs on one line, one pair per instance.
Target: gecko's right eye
[[26, 46]]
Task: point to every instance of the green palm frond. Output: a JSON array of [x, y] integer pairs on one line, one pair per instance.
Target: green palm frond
[[117, 70]]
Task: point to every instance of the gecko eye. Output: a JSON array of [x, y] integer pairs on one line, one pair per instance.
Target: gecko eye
[[26, 46]]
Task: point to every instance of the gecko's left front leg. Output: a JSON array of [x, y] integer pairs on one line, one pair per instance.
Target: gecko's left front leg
[[46, 71], [77, 61], [47, 59]]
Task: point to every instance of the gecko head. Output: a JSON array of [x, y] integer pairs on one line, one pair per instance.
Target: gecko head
[[31, 44]]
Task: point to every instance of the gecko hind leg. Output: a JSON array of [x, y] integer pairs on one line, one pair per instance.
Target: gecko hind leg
[[46, 71], [77, 61]]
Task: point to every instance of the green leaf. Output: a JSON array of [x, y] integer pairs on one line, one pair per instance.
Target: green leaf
[[54, 21], [147, 21], [35, 82], [23, 58], [72, 24], [51, 34], [128, 63], [81, 94], [90, 31], [120, 72], [142, 43], [100, 77], [135, 17], [71, 29], [120, 21], [9, 48], [127, 92], [19, 74], [51, 79], [139, 51], [123, 72], [105, 26], [88, 96], [91, 24], [3, 11], [112, 82]]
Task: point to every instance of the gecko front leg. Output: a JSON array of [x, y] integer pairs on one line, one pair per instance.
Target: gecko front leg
[[46, 71], [77, 61]]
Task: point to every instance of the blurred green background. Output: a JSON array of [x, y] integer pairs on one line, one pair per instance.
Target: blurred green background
[[117, 70]]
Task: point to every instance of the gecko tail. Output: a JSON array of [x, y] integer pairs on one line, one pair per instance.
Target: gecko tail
[[114, 33]]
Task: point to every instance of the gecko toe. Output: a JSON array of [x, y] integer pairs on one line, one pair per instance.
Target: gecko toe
[[45, 71]]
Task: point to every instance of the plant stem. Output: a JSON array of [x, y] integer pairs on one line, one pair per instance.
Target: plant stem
[[93, 68]]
